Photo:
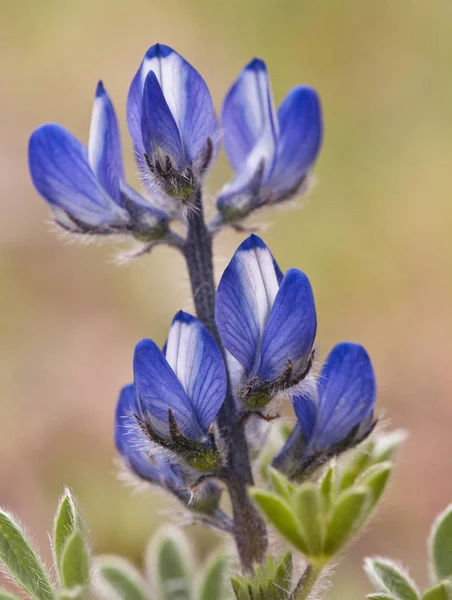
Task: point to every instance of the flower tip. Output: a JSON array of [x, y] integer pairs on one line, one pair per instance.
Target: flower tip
[[256, 64], [159, 51], [100, 90]]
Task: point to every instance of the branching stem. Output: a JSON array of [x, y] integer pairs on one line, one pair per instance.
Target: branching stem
[[248, 526]]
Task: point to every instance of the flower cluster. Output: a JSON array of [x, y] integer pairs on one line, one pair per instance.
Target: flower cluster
[[181, 424], [176, 137], [267, 324]]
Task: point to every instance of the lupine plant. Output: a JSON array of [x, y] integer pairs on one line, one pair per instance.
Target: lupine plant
[[201, 419]]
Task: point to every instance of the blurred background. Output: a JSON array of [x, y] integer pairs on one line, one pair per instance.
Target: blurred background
[[374, 237]]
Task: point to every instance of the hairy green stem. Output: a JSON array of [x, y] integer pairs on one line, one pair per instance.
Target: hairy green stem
[[306, 583], [248, 526]]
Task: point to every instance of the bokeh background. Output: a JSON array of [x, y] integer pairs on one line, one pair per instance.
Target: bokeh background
[[374, 237]]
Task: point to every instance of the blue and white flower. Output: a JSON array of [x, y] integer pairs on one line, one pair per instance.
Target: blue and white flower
[[85, 188], [266, 320], [336, 415], [172, 122], [181, 390], [272, 153], [154, 465]]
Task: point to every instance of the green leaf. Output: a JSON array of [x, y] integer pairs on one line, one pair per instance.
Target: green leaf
[[75, 561], [240, 589], [281, 516], [169, 564], [381, 597], [389, 577], [442, 591], [281, 484], [345, 519], [309, 508], [359, 460], [5, 595], [328, 486], [440, 545], [21, 561], [387, 443], [117, 578], [67, 520], [76, 593], [214, 583], [375, 478]]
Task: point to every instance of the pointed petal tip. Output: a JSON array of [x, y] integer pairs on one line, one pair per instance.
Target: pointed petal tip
[[184, 317], [100, 89], [252, 242], [256, 64], [159, 50]]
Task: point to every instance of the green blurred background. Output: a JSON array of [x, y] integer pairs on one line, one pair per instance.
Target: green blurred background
[[374, 237]]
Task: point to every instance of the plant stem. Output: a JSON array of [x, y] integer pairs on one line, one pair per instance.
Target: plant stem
[[306, 583], [249, 528]]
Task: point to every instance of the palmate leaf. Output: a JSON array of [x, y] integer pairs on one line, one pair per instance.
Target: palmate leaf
[[345, 519], [21, 561]]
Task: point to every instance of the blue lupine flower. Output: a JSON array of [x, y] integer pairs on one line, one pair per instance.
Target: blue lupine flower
[[85, 188], [154, 465], [272, 153], [172, 122], [337, 414], [266, 320], [181, 390]]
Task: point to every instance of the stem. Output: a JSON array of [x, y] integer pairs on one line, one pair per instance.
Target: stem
[[249, 528], [306, 583]]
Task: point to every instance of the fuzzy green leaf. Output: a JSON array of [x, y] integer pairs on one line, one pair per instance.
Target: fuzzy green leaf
[[169, 564], [67, 520], [21, 561], [359, 459], [345, 519], [389, 577], [441, 545], [75, 561], [328, 486], [281, 485], [76, 593], [309, 509], [117, 578], [442, 591], [375, 479], [214, 583], [381, 597], [387, 444], [281, 516]]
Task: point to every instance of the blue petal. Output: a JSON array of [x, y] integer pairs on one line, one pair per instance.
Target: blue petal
[[250, 128], [104, 148], [305, 408], [159, 391], [186, 94], [244, 299], [247, 113], [62, 175], [291, 327], [300, 138], [196, 359], [159, 130], [129, 440], [346, 394]]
